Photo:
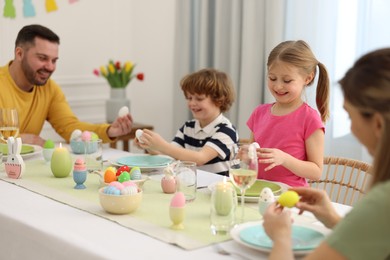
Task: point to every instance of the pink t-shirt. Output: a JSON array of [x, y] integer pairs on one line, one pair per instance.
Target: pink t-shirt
[[287, 133]]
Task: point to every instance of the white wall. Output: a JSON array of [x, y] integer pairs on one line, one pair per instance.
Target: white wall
[[92, 32]]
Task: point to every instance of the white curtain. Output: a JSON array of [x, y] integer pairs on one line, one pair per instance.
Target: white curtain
[[236, 37], [231, 36]]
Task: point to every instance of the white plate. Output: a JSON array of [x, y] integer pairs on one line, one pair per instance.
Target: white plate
[[235, 234], [37, 150], [255, 199]]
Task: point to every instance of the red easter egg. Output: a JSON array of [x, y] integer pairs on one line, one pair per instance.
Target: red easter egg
[[123, 168]]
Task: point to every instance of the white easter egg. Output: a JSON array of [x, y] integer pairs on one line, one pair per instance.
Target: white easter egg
[[76, 135], [255, 145], [138, 134], [266, 195], [265, 199], [123, 111]]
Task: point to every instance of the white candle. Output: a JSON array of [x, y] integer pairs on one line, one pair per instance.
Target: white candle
[[223, 200]]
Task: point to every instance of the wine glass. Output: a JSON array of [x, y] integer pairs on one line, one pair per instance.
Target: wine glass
[[9, 123], [243, 170]]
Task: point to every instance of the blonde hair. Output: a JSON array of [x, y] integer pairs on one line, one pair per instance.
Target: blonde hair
[[299, 54], [367, 87], [213, 83]]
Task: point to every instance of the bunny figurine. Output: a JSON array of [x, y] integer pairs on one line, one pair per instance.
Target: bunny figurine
[[14, 167]]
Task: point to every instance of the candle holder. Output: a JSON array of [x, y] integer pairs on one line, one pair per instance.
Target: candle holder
[[223, 208]]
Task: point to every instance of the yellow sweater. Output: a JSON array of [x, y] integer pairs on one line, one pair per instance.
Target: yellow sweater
[[46, 102]]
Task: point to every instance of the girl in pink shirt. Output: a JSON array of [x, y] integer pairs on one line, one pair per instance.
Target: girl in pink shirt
[[289, 131]]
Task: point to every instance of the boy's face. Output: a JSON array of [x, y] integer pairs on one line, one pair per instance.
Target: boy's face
[[202, 108]]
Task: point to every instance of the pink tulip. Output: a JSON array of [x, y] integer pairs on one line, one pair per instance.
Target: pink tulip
[[96, 72]]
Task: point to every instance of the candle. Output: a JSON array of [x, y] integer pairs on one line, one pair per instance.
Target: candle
[[61, 162], [223, 198]]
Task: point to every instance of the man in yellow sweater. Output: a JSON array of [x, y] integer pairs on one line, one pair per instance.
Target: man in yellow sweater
[[25, 84]]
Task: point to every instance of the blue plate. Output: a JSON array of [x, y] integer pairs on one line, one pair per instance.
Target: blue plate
[[145, 161], [303, 238]]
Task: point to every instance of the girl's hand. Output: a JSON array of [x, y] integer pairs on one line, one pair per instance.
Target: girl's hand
[[277, 222], [271, 156], [317, 202]]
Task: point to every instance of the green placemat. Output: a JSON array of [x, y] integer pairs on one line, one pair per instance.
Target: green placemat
[[25, 149], [151, 218]]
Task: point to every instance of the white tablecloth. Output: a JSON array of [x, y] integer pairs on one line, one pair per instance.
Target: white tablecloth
[[35, 227]]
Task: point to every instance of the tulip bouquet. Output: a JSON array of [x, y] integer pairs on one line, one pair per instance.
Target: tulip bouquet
[[118, 75]]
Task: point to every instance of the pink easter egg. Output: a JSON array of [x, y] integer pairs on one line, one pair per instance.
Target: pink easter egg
[[86, 136], [178, 200], [117, 185], [129, 184]]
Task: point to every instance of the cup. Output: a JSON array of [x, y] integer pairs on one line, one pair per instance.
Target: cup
[[47, 154], [93, 155], [186, 179], [223, 208]]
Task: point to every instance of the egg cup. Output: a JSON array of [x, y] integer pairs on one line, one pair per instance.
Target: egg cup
[[177, 217]]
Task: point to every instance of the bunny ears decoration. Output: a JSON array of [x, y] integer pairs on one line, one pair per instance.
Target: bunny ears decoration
[[14, 167]]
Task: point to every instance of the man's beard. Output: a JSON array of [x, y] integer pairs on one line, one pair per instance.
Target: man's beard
[[31, 75]]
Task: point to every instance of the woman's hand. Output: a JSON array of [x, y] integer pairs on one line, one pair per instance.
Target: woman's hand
[[317, 202], [277, 222]]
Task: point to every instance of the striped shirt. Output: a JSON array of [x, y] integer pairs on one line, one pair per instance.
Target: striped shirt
[[220, 135]]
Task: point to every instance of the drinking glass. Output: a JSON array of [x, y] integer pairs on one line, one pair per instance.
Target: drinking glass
[[9, 123], [243, 170]]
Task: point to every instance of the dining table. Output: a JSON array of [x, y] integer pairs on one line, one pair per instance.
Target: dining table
[[34, 224]]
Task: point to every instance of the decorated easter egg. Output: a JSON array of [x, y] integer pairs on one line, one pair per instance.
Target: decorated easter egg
[[110, 175], [125, 176], [86, 136], [76, 135], [123, 111], [129, 183], [112, 190], [49, 144], [123, 168], [138, 134], [94, 136], [265, 199], [135, 173], [117, 185], [129, 190], [288, 199]]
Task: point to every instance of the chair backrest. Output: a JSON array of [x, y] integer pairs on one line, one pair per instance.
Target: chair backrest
[[345, 180]]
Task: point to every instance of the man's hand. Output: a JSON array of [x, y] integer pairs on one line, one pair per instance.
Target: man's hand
[[121, 126], [32, 139]]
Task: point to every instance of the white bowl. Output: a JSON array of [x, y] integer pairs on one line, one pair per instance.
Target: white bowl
[[120, 204]]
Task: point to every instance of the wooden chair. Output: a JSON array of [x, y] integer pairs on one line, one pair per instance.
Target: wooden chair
[[345, 180]]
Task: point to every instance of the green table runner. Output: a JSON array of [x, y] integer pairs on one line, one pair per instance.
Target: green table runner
[[151, 218]]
